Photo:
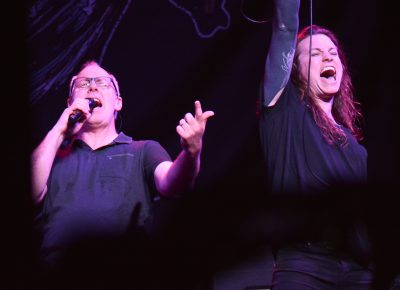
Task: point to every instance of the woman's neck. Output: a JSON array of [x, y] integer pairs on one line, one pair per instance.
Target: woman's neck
[[326, 107]]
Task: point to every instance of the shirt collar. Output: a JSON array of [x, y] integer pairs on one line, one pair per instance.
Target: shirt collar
[[122, 138]]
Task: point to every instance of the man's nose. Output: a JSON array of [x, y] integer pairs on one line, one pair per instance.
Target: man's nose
[[93, 84]]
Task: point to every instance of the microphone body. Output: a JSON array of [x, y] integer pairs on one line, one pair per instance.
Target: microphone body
[[78, 116]]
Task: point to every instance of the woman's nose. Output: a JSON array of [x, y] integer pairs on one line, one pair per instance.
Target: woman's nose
[[327, 56]]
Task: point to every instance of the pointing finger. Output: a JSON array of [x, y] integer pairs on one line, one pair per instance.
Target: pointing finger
[[197, 109]]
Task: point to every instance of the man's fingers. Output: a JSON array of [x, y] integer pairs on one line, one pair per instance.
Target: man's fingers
[[198, 111], [191, 123], [182, 131], [207, 115], [189, 118], [80, 104], [187, 128]]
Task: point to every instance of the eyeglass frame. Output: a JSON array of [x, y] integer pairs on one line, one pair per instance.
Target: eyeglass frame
[[72, 86]]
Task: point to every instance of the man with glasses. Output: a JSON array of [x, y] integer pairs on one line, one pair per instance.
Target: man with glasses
[[102, 184]]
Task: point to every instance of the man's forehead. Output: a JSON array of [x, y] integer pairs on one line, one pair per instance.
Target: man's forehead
[[92, 70]]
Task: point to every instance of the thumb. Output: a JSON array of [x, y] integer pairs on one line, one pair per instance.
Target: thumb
[[207, 115]]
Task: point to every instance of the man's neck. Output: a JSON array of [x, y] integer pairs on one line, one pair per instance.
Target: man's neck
[[98, 137]]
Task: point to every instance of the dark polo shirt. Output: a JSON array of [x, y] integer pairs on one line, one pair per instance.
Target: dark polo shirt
[[106, 191]]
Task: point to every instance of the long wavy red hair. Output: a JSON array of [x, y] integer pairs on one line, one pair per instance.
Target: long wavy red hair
[[345, 110]]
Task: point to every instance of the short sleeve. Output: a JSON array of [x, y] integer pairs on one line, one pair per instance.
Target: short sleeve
[[153, 155]]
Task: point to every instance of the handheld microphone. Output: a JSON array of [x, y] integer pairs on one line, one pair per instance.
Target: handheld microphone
[[78, 116]]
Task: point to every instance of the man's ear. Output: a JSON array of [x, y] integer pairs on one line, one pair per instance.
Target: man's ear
[[118, 104], [69, 101]]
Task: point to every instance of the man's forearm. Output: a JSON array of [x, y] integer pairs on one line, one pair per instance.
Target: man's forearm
[[178, 176], [42, 160]]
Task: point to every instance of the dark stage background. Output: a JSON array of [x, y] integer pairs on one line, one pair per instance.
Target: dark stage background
[[165, 55]]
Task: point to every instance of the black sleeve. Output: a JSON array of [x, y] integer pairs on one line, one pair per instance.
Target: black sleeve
[[154, 154], [281, 51]]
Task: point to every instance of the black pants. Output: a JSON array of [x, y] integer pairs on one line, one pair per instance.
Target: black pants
[[309, 266]]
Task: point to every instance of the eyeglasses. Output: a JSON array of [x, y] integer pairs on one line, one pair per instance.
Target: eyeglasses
[[101, 82]]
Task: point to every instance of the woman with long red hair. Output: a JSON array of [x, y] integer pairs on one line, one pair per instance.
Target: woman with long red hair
[[315, 165]]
